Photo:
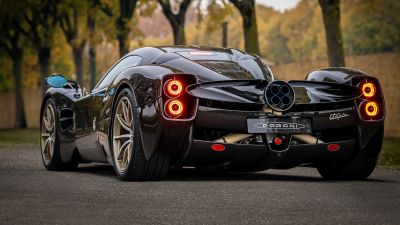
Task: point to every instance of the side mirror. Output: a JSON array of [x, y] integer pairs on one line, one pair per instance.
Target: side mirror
[[57, 81]]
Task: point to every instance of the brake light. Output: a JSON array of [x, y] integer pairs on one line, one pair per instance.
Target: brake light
[[173, 88], [174, 108], [177, 103], [371, 109], [368, 89], [371, 104], [200, 53]]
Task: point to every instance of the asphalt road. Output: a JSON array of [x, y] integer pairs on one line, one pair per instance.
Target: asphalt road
[[93, 195]]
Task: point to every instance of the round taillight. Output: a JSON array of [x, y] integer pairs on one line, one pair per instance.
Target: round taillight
[[173, 88], [174, 108], [371, 109], [368, 89]]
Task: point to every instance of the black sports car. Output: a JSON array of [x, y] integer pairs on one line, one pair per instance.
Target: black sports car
[[159, 108]]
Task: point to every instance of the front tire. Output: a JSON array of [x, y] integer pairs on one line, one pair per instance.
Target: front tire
[[127, 151], [50, 139], [358, 168]]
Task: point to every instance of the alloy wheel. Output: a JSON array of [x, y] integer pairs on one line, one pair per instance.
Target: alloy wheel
[[123, 134], [48, 134]]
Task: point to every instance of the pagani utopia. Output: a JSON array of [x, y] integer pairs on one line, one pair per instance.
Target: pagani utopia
[[162, 108]]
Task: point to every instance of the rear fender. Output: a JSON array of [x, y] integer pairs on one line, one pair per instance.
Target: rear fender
[[146, 85]]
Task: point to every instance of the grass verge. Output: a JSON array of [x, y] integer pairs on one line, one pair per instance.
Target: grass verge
[[390, 153], [19, 136]]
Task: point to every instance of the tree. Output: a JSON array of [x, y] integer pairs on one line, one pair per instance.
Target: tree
[[93, 38], [371, 27], [126, 11], [10, 41], [177, 21], [331, 16], [248, 11], [91, 25], [41, 22], [71, 25]]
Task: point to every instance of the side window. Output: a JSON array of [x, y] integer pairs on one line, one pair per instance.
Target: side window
[[122, 65]]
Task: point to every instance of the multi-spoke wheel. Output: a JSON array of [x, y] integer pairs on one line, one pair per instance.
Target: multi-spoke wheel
[[49, 139], [48, 134], [129, 160], [123, 134]]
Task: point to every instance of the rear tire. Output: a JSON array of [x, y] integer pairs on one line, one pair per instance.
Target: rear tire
[[360, 167], [129, 161], [50, 139]]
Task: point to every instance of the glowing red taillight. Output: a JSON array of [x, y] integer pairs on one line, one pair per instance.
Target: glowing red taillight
[[368, 89], [176, 101], [173, 88], [174, 108], [371, 109], [371, 104]]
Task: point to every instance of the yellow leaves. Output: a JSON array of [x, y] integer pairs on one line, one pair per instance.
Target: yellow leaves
[[30, 75]]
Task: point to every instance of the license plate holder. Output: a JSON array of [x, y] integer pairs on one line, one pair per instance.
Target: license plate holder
[[278, 125]]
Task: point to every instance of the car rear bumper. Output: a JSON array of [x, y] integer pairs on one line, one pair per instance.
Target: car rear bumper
[[236, 121], [333, 127], [261, 156]]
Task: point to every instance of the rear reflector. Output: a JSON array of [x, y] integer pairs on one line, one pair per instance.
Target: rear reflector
[[217, 147], [333, 147]]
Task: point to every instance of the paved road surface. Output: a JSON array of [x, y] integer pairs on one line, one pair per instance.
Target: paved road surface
[[92, 195]]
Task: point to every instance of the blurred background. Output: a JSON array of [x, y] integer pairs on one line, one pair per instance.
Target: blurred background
[[81, 39]]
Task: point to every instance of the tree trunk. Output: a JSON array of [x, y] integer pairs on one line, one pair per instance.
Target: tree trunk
[[123, 44], [225, 34], [331, 16], [92, 66], [251, 32], [44, 55], [91, 23], [20, 120], [179, 33], [77, 53], [247, 10]]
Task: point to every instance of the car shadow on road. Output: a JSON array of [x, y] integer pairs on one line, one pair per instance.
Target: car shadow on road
[[215, 175], [97, 169]]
